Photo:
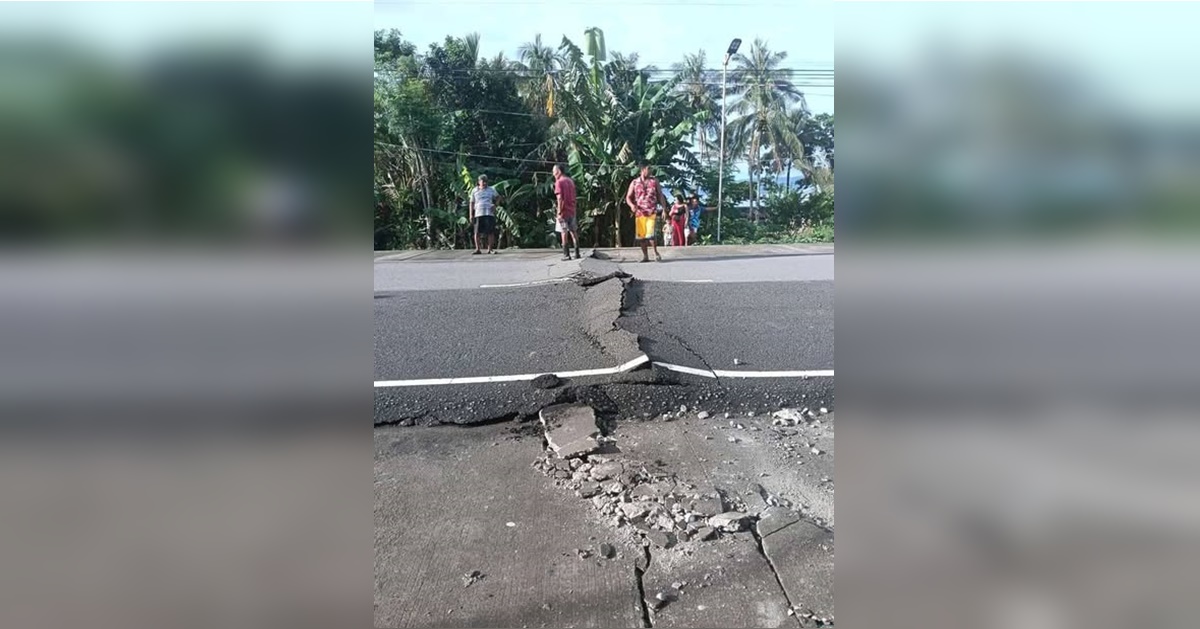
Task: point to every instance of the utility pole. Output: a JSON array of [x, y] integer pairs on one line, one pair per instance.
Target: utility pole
[[733, 46]]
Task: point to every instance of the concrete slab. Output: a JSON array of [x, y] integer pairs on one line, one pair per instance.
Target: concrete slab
[[571, 429], [775, 518], [802, 555], [444, 498], [726, 583]]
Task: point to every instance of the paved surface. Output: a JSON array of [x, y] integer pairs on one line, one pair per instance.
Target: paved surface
[[443, 334], [764, 326], [446, 270], [765, 263], [444, 497], [434, 321], [444, 494]]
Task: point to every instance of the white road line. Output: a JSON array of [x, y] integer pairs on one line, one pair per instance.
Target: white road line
[[816, 373], [607, 371], [640, 360], [724, 373], [533, 283], [688, 370]]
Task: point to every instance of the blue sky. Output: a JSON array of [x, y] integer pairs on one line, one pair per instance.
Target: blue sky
[[660, 31]]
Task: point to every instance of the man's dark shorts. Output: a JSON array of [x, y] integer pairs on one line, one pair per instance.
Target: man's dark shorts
[[485, 225]]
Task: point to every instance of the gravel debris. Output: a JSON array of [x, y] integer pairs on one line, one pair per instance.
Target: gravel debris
[[472, 578]]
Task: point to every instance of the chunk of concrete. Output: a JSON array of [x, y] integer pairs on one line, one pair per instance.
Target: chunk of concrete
[[588, 489], [571, 430], [775, 518], [661, 539], [633, 510], [546, 381], [605, 471], [707, 507], [731, 521], [754, 500]]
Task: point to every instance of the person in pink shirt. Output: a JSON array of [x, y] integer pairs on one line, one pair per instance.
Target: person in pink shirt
[[564, 191], [644, 198]]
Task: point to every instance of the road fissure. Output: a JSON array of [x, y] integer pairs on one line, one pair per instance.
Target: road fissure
[[639, 574]]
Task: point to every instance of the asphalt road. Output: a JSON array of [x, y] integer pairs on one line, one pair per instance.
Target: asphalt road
[[485, 332], [449, 314], [764, 326]]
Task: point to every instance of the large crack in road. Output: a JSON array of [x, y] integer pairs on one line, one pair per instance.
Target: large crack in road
[[610, 302], [633, 306], [639, 575]]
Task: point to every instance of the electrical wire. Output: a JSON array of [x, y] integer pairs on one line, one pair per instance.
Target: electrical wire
[[495, 157]]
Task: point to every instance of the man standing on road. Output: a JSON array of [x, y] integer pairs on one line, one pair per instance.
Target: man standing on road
[[483, 213], [564, 191], [644, 198], [694, 220]]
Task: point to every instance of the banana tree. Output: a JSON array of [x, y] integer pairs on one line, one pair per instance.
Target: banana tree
[[612, 116]]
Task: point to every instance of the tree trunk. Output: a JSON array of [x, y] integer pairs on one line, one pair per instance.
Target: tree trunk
[[428, 202], [617, 228], [750, 171], [789, 176]]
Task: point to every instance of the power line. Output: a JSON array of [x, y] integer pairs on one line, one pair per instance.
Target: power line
[[538, 74], [548, 162], [531, 115], [653, 68]]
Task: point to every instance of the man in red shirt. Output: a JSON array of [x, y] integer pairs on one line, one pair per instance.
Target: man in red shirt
[[564, 190], [644, 198]]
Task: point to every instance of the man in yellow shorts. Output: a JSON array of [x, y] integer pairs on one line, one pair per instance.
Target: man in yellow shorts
[[644, 198]]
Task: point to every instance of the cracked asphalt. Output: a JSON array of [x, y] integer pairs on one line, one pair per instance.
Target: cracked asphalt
[[468, 534], [463, 331], [764, 325]]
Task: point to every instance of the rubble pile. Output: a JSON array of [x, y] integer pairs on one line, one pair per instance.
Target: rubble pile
[[795, 417], [630, 493], [791, 422]]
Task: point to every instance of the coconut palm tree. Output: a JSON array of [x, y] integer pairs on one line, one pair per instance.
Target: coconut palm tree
[[699, 89], [764, 94], [790, 150], [539, 63], [472, 43]]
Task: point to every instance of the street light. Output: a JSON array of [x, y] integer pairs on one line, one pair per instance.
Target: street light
[[733, 47]]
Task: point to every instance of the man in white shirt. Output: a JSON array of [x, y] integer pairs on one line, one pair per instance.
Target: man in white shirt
[[483, 213]]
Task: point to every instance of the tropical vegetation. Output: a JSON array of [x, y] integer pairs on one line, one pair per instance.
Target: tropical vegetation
[[446, 115]]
